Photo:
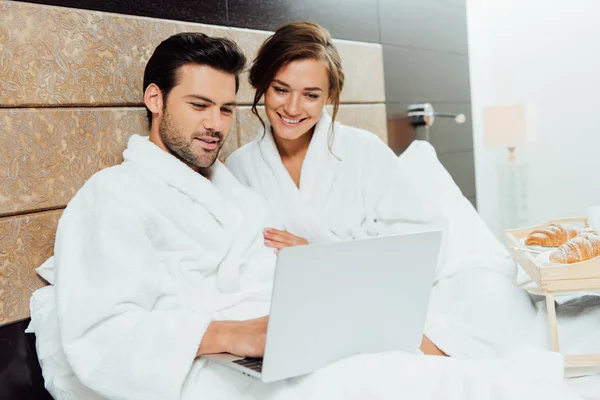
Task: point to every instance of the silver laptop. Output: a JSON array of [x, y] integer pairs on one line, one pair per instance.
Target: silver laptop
[[332, 301]]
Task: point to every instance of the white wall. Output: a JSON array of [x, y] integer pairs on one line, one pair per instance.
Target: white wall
[[546, 54]]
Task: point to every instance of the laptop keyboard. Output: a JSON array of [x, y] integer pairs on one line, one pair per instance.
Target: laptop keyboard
[[255, 364]]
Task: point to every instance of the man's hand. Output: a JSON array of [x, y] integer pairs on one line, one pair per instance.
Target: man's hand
[[242, 338], [247, 338], [277, 239]]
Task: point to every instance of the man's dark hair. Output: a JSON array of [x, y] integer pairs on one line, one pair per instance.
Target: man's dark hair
[[191, 48]]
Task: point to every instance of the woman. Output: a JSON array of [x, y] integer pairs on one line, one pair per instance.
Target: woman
[[327, 182]]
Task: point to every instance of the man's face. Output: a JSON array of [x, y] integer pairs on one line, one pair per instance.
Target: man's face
[[197, 115]]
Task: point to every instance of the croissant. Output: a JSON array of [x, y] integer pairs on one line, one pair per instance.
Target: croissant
[[553, 235], [581, 248], [587, 231]]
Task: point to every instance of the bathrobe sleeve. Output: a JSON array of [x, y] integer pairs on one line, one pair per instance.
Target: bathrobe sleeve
[[417, 191], [390, 200], [471, 244], [123, 338]]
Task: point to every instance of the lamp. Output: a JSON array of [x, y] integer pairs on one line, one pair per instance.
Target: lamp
[[506, 127]]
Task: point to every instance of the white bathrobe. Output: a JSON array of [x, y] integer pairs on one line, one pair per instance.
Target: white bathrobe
[[148, 253], [356, 187]]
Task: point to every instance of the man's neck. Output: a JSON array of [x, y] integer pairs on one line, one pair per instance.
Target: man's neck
[[206, 172]]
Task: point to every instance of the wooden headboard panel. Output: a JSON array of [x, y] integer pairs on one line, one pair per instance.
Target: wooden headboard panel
[[71, 96]]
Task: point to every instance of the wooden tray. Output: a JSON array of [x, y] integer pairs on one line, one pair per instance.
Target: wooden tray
[[583, 275]]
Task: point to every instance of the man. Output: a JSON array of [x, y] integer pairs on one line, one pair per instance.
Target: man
[[161, 259], [150, 255]]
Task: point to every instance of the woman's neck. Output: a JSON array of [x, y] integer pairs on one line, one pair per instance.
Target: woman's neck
[[293, 149], [292, 153]]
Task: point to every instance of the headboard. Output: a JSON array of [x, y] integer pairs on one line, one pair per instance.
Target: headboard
[[71, 96]]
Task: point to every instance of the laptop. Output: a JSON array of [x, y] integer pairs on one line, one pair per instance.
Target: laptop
[[333, 301]]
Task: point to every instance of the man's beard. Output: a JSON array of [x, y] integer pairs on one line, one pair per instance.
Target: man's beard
[[180, 144]]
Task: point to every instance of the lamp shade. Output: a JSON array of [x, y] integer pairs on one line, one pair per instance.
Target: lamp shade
[[504, 126]]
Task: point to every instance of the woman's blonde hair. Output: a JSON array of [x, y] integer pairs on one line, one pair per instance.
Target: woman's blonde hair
[[292, 42]]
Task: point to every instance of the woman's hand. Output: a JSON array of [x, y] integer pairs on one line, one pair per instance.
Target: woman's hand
[[276, 239]]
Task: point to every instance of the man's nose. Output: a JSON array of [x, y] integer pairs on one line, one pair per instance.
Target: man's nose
[[214, 120]]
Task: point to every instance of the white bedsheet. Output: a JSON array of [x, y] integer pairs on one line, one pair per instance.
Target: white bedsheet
[[525, 374]]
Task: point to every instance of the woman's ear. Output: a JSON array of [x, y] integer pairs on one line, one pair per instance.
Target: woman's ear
[[153, 99], [329, 101]]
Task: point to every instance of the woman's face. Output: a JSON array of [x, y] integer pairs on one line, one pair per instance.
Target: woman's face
[[296, 97]]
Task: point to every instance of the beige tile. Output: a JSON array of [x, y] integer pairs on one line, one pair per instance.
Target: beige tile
[[55, 55], [363, 68], [249, 41], [371, 117], [365, 116], [25, 243], [249, 125], [61, 56], [47, 154]]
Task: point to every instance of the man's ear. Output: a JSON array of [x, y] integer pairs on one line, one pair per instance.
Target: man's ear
[[153, 99]]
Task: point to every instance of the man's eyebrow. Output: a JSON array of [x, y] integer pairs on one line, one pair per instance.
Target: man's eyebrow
[[282, 83], [206, 99], [198, 97]]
